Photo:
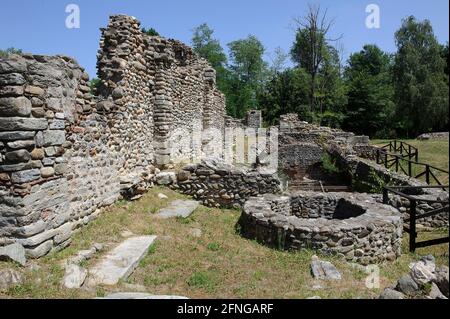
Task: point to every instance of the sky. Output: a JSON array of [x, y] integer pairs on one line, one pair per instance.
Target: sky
[[38, 26]]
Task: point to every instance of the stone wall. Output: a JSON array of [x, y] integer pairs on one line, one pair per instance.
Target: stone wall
[[219, 185], [352, 226], [56, 167], [65, 153], [170, 89]]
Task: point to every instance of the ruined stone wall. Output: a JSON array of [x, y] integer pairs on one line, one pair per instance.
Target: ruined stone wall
[[65, 153], [170, 89], [56, 168], [219, 185], [359, 229]]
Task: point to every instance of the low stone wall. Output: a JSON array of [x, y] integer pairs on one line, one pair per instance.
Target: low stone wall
[[358, 229], [219, 185]]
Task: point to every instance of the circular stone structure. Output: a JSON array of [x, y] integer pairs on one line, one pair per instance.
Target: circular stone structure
[[354, 226]]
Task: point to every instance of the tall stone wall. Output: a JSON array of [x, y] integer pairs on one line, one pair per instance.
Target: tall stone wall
[[56, 167], [65, 154], [171, 89]]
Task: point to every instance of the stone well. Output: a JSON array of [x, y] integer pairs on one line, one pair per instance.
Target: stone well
[[353, 226]]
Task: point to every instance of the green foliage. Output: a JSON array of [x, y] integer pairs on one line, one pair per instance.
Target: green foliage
[[5, 53], [372, 183], [93, 86], [329, 165], [370, 92], [420, 81], [213, 246], [151, 32], [201, 279]]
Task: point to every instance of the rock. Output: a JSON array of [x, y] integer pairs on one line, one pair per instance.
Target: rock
[[162, 196], [324, 270], [47, 171], [74, 277], [183, 176], [442, 279], [423, 271], [21, 123], [389, 293], [16, 135], [121, 261], [9, 278], [34, 90], [407, 285], [165, 178], [54, 137], [37, 153], [25, 176], [435, 292], [14, 252], [15, 106], [178, 208], [140, 295], [314, 297], [18, 156]]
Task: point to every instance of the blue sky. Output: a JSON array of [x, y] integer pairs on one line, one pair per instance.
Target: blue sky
[[39, 26]]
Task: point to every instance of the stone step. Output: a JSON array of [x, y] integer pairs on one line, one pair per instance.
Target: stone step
[[120, 262], [178, 208], [140, 295]]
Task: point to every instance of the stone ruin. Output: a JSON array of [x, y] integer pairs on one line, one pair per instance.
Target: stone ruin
[[66, 153], [353, 226]]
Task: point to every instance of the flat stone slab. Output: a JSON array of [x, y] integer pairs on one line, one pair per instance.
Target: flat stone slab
[[324, 270], [121, 261], [140, 295], [178, 208]]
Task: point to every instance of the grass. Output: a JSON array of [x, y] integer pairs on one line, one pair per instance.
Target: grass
[[218, 264], [433, 152]]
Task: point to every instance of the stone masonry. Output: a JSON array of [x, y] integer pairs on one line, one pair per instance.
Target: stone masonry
[[353, 226], [65, 153]]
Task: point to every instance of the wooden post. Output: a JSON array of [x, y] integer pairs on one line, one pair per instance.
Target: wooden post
[[427, 174], [385, 196], [385, 160], [395, 146], [396, 163], [412, 226], [417, 155], [409, 168]]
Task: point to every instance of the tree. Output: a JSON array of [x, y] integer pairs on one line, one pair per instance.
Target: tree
[[310, 46], [421, 85], [247, 75], [370, 93], [286, 92], [208, 47], [151, 32], [5, 53]]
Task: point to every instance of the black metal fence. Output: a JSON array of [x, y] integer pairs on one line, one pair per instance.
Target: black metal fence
[[406, 162], [410, 222]]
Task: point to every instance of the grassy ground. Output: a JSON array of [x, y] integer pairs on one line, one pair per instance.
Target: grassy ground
[[218, 264], [433, 152]]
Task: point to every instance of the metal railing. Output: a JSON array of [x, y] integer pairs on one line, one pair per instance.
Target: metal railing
[[413, 213], [412, 168]]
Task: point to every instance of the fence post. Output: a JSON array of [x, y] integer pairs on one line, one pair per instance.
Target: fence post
[[417, 155], [390, 146], [397, 159], [385, 160], [385, 196], [395, 146], [409, 168], [427, 174], [412, 226], [378, 156]]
